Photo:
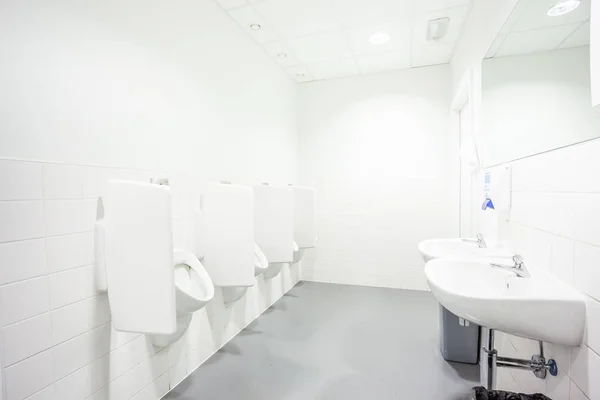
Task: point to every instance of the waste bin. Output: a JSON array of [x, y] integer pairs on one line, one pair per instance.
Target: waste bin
[[459, 338]]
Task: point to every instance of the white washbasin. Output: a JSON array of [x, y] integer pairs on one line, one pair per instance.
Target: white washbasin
[[457, 248], [540, 307]]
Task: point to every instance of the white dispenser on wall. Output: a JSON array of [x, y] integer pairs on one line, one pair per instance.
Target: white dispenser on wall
[[495, 209], [497, 188], [152, 288]]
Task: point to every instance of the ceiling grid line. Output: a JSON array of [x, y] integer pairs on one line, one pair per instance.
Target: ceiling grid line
[[324, 39]]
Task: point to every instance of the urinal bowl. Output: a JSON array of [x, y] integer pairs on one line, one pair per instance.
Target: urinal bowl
[[273, 269], [193, 286], [260, 261], [298, 253], [193, 289], [183, 322], [232, 294]]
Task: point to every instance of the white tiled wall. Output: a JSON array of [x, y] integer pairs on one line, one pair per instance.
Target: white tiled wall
[[380, 155], [555, 224], [56, 337]]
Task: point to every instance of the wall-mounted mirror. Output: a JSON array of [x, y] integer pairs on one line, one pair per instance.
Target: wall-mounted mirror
[[536, 82]]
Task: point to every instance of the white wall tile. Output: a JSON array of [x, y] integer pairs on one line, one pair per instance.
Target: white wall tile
[[154, 390], [80, 351], [79, 384], [177, 351], [592, 336], [177, 372], [69, 286], [505, 380], [80, 317], [22, 260], [576, 393], [20, 180], [63, 217], [126, 357], [20, 220], [130, 383], [63, 181], [540, 249], [585, 367], [587, 269], [561, 259], [48, 393], [69, 251], [28, 376], [23, 299], [557, 387], [26, 338], [587, 219], [96, 180]]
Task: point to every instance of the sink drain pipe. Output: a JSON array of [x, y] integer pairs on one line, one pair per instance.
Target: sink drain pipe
[[537, 364]]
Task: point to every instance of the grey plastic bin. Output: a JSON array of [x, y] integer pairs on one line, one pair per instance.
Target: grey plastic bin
[[459, 339]]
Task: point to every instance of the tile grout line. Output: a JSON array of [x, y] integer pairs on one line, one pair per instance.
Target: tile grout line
[[554, 234], [126, 372], [68, 340], [145, 386], [46, 274]]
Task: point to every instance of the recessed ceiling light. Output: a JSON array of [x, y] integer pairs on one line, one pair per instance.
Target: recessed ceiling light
[[379, 38], [563, 7], [255, 27], [282, 55]]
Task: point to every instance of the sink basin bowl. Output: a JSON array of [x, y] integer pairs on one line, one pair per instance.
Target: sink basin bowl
[[540, 307], [456, 248]]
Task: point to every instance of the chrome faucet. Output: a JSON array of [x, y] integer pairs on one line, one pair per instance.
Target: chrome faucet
[[518, 269], [480, 242]]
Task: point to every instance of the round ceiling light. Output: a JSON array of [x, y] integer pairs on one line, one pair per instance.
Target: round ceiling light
[[563, 8], [379, 38], [255, 27]]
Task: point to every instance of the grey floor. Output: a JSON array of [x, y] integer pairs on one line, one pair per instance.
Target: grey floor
[[324, 341]]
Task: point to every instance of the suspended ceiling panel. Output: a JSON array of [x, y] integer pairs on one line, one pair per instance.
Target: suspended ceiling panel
[[530, 30], [323, 39]]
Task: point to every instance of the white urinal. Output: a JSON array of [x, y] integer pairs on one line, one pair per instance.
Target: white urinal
[[193, 287], [273, 269], [152, 288], [304, 221], [274, 226], [260, 261], [225, 238], [298, 253]]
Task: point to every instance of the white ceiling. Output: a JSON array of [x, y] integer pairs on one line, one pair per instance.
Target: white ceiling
[[530, 30], [322, 39]]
